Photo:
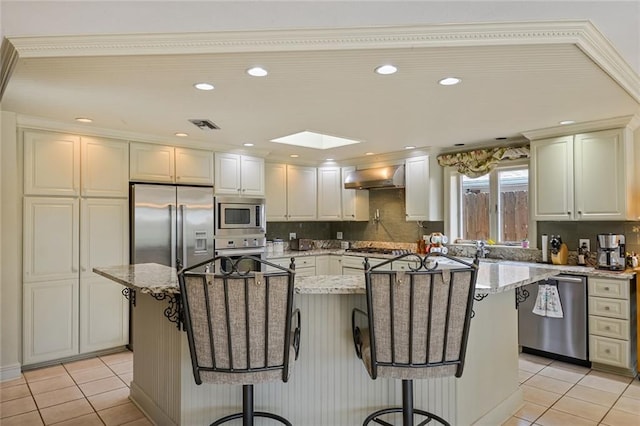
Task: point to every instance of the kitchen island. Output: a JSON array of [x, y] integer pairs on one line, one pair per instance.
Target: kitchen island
[[329, 385]]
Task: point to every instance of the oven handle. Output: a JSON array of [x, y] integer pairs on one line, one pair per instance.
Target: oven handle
[[240, 252]]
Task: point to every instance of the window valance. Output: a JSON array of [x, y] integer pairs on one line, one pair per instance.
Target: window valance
[[479, 162]]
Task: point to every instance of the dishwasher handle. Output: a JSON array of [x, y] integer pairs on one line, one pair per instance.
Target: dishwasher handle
[[567, 279]]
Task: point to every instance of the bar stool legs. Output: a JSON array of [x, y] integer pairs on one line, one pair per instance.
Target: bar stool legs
[[407, 410], [247, 415]]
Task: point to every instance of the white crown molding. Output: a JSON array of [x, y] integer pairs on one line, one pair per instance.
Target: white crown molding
[[580, 33], [8, 61], [591, 126]]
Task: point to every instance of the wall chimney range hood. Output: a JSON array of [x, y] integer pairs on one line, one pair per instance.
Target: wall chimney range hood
[[376, 178]]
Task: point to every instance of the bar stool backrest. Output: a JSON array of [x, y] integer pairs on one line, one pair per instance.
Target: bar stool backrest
[[419, 318], [239, 324]]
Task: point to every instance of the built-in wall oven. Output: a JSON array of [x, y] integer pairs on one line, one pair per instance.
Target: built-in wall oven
[[236, 249], [562, 338], [239, 216]]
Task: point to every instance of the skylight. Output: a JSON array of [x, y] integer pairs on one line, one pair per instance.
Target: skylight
[[314, 140]]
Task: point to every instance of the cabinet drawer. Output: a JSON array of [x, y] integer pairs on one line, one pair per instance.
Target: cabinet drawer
[[305, 262], [603, 287], [609, 327], [306, 272], [613, 308], [609, 351], [285, 262]]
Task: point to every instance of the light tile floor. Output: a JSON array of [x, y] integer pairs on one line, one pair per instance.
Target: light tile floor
[[95, 392], [90, 392], [561, 394]]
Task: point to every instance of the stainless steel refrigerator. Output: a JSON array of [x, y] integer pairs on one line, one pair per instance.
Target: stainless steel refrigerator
[[171, 225]]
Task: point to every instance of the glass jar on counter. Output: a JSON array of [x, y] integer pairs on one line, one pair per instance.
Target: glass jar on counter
[[278, 246]]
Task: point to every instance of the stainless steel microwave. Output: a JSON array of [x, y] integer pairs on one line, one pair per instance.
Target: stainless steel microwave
[[239, 216]]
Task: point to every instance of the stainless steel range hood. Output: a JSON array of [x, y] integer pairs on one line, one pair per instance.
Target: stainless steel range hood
[[377, 178]]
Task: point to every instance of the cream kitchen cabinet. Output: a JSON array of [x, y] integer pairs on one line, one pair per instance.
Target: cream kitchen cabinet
[[329, 193], [305, 266], [290, 192], [104, 167], [166, 164], [355, 203], [51, 163], [423, 189], [104, 312], [88, 312], [587, 176], [239, 175], [612, 332]]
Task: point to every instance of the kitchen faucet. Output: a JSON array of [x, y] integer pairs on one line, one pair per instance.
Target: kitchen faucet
[[481, 249]]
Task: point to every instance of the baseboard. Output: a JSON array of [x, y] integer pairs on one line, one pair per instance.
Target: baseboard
[[501, 413], [148, 407], [10, 372]]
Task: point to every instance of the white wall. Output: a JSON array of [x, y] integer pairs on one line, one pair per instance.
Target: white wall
[[10, 250], [618, 20]]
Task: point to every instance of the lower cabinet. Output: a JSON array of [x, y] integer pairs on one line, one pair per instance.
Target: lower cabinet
[[612, 334], [305, 265], [50, 320]]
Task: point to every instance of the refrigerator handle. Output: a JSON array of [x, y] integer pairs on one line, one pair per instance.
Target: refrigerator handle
[[172, 214], [183, 233]]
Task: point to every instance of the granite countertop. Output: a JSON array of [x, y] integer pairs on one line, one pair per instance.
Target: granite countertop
[[152, 278]]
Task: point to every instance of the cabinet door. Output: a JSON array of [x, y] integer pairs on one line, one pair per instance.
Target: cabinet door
[[335, 265], [105, 167], [151, 163], [355, 203], [417, 188], [600, 184], [51, 164], [50, 315], [227, 174], [551, 181], [194, 166], [51, 238], [329, 194], [252, 175], [104, 312], [301, 192], [276, 191]]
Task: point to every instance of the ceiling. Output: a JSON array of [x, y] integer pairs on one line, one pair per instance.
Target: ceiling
[[507, 88]]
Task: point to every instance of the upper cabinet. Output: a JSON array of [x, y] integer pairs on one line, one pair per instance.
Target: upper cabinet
[[105, 167], [239, 175], [355, 203], [51, 163], [329, 193], [66, 165], [291, 192], [423, 189], [159, 163], [588, 176]]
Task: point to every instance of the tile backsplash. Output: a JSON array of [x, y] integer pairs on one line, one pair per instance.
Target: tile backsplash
[[391, 227], [572, 231]]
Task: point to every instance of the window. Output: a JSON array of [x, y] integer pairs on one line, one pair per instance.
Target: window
[[494, 206]]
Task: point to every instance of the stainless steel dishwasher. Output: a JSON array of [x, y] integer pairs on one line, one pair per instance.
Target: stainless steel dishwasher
[[562, 338]]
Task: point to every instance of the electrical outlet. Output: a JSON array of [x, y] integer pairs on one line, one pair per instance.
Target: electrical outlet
[[292, 235], [585, 241], [339, 235]]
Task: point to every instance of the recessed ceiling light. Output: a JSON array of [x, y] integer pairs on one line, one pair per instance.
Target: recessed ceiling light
[[458, 144], [294, 156], [84, 120], [247, 144], [450, 81], [330, 159], [203, 86], [368, 153], [567, 122], [386, 69], [409, 147], [181, 134], [257, 72]]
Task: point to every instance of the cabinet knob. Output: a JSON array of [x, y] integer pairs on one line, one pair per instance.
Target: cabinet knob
[[607, 328], [606, 288], [568, 212], [243, 190], [608, 351], [579, 212], [606, 308]]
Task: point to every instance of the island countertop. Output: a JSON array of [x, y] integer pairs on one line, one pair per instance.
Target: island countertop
[[154, 278]]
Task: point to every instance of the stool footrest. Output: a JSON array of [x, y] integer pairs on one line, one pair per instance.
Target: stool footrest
[[373, 417], [255, 414]]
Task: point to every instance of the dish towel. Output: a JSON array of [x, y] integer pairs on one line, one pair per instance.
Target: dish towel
[[548, 302]]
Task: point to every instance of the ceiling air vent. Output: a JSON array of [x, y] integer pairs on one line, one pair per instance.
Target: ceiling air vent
[[204, 124]]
